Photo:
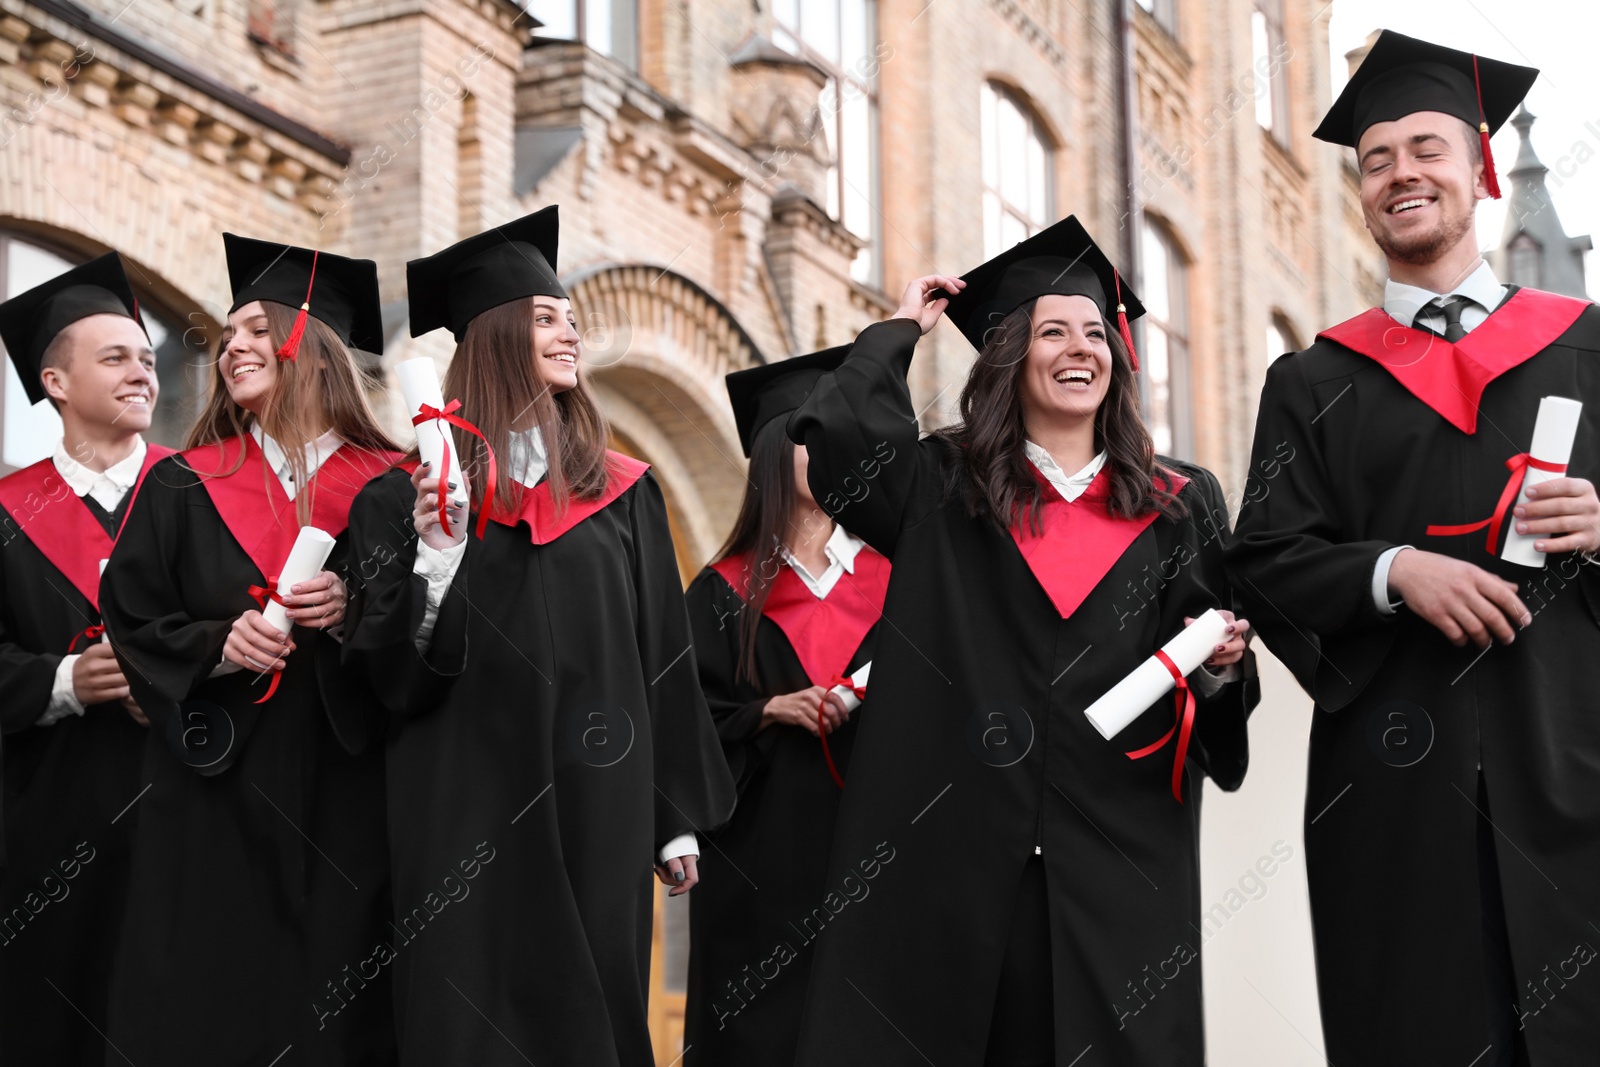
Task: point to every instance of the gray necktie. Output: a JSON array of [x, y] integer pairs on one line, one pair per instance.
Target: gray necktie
[[1452, 307]]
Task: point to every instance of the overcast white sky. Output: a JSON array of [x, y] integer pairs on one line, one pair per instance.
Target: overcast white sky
[[1561, 38]]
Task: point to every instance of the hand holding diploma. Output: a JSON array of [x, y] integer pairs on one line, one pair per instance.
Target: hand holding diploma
[[1554, 513], [260, 640], [419, 385]]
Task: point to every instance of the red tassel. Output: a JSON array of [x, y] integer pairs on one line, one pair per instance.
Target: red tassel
[[291, 346], [1122, 322], [1491, 180]]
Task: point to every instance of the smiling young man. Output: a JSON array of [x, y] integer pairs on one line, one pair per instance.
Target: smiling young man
[[1453, 803], [73, 736]]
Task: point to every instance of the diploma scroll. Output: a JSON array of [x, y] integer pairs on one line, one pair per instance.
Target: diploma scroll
[[1130, 698], [1553, 434], [310, 552], [846, 692], [419, 385]]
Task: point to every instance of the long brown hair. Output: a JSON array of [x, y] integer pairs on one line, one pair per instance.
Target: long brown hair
[[994, 476], [759, 532], [321, 389], [494, 377]]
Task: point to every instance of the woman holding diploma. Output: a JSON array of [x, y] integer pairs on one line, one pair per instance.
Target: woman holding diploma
[[781, 617], [260, 865], [1034, 891], [555, 743]]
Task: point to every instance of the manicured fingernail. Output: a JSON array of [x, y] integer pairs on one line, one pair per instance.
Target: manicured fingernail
[[677, 876], [1221, 647], [426, 464], [451, 484], [1230, 629]]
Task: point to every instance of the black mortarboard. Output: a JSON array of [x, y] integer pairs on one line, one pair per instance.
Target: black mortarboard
[[774, 390], [1402, 75], [455, 286], [30, 321], [1061, 259], [340, 292]]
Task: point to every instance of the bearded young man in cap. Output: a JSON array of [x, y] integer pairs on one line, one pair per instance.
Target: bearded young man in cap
[[1453, 803], [73, 735]]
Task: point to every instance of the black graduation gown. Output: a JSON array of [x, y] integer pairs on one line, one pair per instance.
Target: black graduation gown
[[260, 883], [1347, 462], [975, 753], [553, 738], [747, 967], [68, 786]]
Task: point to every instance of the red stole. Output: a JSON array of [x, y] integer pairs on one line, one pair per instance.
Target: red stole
[[538, 510], [824, 632], [255, 508], [1080, 541], [1451, 378], [62, 528]]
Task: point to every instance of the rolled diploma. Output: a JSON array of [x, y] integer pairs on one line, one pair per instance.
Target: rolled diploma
[[105, 638], [1553, 433], [419, 385], [305, 561], [1129, 698], [846, 693]]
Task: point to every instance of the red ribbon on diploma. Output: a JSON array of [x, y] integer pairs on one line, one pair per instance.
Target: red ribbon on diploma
[[822, 734], [1183, 699], [261, 594], [92, 633], [425, 412], [1518, 466]]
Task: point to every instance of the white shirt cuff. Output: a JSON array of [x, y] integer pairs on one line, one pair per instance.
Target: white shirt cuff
[[63, 695], [1380, 581], [439, 568], [680, 846]]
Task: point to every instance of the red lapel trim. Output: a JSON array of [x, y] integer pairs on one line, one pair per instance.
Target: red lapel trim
[[1451, 379], [825, 633], [539, 511], [264, 523], [69, 536], [1079, 542]]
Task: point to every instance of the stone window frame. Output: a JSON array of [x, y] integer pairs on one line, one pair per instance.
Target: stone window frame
[[791, 22], [996, 206], [622, 17], [1166, 354]]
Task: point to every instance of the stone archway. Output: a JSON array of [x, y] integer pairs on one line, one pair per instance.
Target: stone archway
[[658, 346]]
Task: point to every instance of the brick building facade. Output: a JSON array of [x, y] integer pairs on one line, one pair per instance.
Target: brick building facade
[[740, 181]]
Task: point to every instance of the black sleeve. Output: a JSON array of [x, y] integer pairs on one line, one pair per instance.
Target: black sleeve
[[165, 653], [26, 678], [1302, 581], [387, 602], [867, 468], [1220, 745], [694, 791], [715, 614]]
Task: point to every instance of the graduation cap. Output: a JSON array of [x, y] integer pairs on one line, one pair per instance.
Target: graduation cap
[[1402, 75], [775, 390], [1061, 259], [455, 286], [340, 292], [31, 320]]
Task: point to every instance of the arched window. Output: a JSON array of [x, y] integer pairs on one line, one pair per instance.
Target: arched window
[[29, 432], [1164, 359], [1280, 337], [840, 36], [1017, 171], [1527, 262]]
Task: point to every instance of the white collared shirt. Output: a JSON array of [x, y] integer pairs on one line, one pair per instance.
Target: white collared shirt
[[527, 461], [1411, 305], [107, 487], [841, 551], [1481, 288], [316, 453], [1070, 486]]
